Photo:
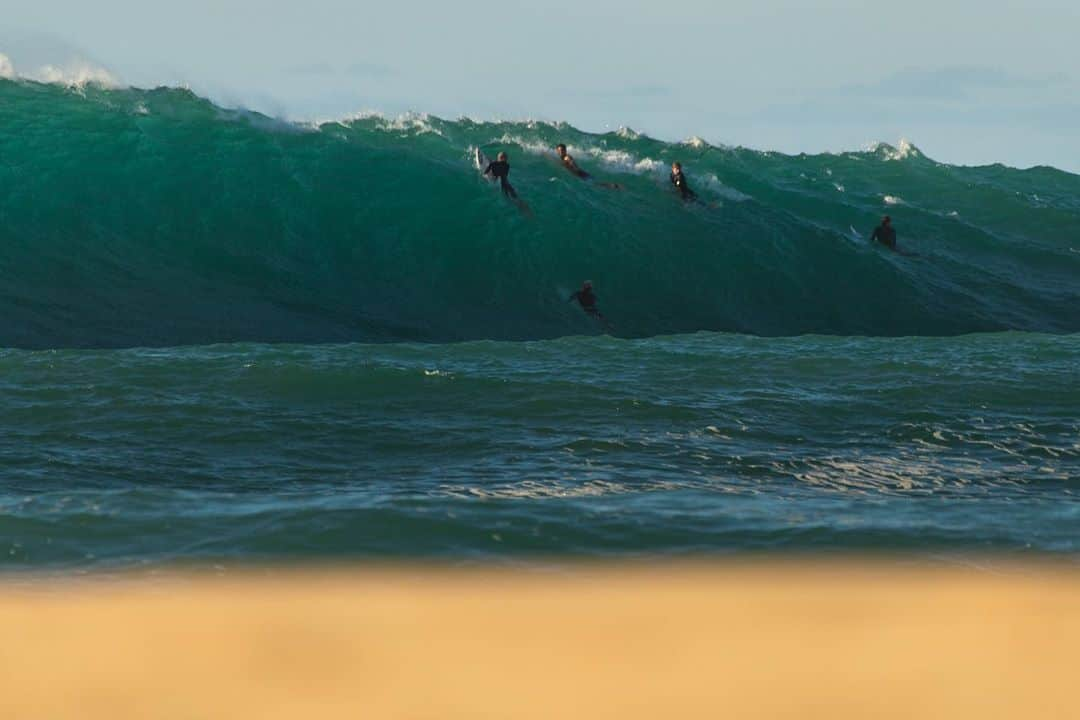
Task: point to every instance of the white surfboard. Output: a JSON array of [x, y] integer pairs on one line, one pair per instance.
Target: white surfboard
[[481, 162]]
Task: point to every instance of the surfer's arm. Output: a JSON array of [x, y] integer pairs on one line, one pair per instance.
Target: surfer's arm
[[573, 167], [679, 181]]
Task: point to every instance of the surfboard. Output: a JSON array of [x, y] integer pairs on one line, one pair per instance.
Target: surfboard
[[481, 162]]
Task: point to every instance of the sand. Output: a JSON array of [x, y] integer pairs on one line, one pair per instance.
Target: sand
[[766, 640]]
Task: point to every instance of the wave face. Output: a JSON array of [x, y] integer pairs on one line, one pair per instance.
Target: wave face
[[153, 217]]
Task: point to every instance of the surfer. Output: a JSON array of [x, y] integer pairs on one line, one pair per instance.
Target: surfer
[[586, 298], [567, 161], [500, 169], [885, 233], [679, 181]]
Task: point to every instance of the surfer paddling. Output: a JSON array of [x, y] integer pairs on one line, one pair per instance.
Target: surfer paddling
[[500, 170], [678, 180], [586, 298], [568, 162], [885, 233]]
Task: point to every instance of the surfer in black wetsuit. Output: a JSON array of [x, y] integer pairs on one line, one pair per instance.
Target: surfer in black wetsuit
[[679, 181], [586, 298], [885, 233], [500, 169]]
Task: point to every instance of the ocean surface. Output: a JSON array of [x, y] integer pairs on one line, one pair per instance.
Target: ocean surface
[[230, 339]]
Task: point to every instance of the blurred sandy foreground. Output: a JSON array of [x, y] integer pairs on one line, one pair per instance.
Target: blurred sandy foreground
[[779, 640]]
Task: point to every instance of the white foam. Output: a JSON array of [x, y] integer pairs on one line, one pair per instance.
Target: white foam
[[620, 160], [628, 162], [892, 200], [75, 75], [839, 187], [628, 133], [904, 149], [419, 123], [715, 186], [695, 142], [558, 489], [625, 161], [530, 146]]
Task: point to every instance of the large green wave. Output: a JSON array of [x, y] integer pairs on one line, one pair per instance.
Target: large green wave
[[154, 217]]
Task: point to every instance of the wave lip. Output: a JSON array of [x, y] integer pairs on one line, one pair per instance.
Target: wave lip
[[74, 73], [154, 217]]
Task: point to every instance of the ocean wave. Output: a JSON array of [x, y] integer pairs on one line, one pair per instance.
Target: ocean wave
[[74, 74], [154, 217]]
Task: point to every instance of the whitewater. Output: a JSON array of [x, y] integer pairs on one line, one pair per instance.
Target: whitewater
[[227, 338]]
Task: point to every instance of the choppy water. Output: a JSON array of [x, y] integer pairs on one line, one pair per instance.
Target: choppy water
[[594, 446]]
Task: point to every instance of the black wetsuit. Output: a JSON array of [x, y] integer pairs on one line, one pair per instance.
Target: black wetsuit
[[679, 181], [886, 235], [587, 299], [501, 169], [569, 164]]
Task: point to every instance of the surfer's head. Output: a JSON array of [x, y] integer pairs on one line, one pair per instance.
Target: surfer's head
[[676, 166], [886, 220], [501, 156], [561, 150], [587, 285]]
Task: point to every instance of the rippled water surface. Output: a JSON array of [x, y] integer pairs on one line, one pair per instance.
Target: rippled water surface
[[582, 446]]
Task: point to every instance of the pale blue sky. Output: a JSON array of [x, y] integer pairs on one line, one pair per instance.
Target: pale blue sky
[[968, 82]]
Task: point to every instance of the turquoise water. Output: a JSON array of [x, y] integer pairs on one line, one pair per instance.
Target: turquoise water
[[135, 218], [230, 339]]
